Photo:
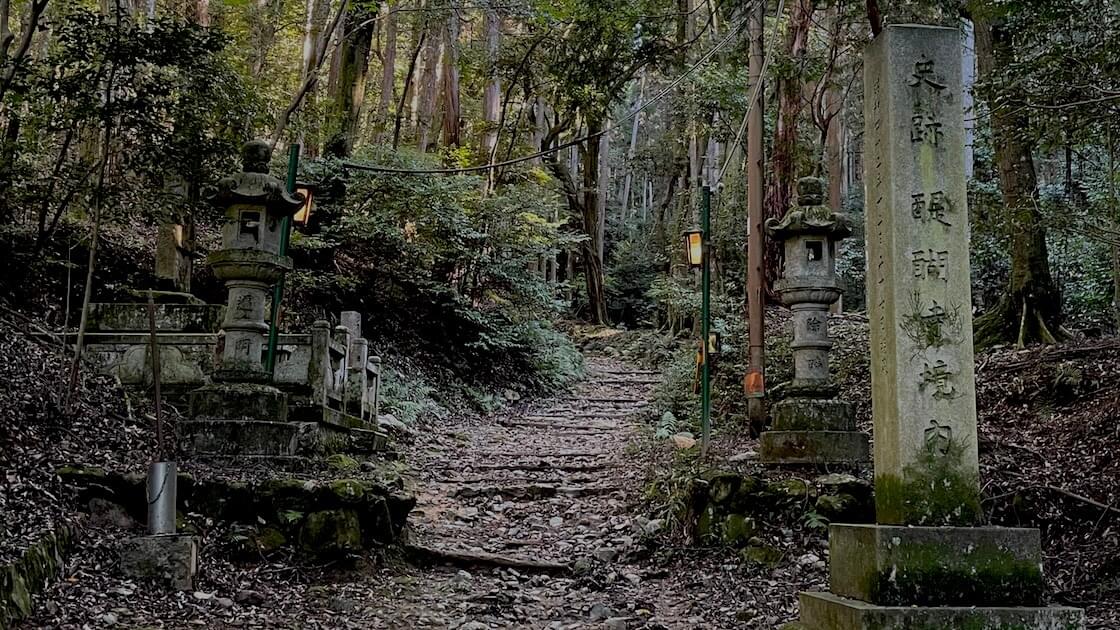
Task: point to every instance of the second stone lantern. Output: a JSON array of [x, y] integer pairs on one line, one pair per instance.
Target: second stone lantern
[[240, 412], [810, 426]]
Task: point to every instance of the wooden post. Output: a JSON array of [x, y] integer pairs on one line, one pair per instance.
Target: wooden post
[[755, 380]]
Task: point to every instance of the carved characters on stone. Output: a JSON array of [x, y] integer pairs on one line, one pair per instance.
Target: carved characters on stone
[[939, 438], [244, 309], [930, 207], [930, 264], [937, 378]]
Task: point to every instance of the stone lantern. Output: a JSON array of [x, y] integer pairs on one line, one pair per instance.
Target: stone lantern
[[809, 425], [255, 204]]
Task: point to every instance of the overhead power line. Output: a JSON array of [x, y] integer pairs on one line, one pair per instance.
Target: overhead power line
[[571, 143]]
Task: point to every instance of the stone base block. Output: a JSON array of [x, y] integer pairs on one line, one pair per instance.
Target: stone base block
[[825, 611], [809, 414], [237, 437], [814, 447], [367, 442], [239, 401], [937, 566], [173, 558]]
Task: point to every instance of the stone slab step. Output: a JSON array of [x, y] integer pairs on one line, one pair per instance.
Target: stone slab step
[[532, 491], [431, 554], [534, 465], [825, 610]]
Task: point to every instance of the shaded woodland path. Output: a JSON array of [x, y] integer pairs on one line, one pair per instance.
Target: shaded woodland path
[[509, 504]]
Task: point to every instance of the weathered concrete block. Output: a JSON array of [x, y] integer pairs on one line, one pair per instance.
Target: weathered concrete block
[[808, 414], [239, 401], [825, 611], [173, 558], [814, 447], [240, 437], [937, 566]]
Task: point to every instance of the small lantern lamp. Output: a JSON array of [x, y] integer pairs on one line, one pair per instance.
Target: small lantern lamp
[[303, 215], [694, 247]]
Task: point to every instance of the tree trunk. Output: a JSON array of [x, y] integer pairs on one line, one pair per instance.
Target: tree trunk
[[433, 71], [593, 247], [1030, 309], [350, 90], [451, 108], [266, 14], [783, 157], [628, 183], [603, 184], [491, 99], [408, 86], [318, 12], [388, 71]]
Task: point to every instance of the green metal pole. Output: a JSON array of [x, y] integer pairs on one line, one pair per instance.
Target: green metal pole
[[705, 320], [278, 290]]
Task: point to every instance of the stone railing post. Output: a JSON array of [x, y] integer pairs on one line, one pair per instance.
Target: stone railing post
[[319, 368]]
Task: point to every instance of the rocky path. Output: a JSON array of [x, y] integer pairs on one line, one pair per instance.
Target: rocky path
[[526, 518]]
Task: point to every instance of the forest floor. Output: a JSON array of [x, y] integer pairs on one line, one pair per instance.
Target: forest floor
[[540, 515], [559, 484]]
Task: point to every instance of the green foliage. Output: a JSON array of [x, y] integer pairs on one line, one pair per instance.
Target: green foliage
[[443, 272], [175, 109]]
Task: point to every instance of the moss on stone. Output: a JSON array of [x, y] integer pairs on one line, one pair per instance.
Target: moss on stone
[[331, 533], [931, 575], [78, 474], [269, 540], [789, 488], [738, 529], [347, 490], [342, 463], [30, 573], [933, 491], [762, 554]]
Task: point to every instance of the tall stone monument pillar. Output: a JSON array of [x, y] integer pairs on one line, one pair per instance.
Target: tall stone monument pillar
[[927, 563]]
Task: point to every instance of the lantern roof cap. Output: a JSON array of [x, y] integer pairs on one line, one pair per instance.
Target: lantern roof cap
[[254, 185], [810, 216]]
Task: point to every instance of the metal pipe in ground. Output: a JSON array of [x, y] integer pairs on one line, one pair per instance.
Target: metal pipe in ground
[[162, 490]]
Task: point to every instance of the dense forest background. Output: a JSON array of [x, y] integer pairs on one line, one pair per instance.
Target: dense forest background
[[485, 167]]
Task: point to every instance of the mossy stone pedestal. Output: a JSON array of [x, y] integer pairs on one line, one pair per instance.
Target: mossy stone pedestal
[[814, 431], [170, 558]]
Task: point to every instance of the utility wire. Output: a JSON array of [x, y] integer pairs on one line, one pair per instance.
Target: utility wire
[[754, 94], [571, 143]]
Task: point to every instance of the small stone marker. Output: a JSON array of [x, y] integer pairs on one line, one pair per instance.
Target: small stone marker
[[925, 564], [173, 257]]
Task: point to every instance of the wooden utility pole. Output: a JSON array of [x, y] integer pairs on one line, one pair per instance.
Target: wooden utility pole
[[754, 383]]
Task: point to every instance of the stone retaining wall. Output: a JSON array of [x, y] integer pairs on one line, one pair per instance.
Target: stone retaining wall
[[30, 574]]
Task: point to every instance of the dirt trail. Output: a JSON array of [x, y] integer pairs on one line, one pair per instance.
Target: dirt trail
[[509, 506]]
